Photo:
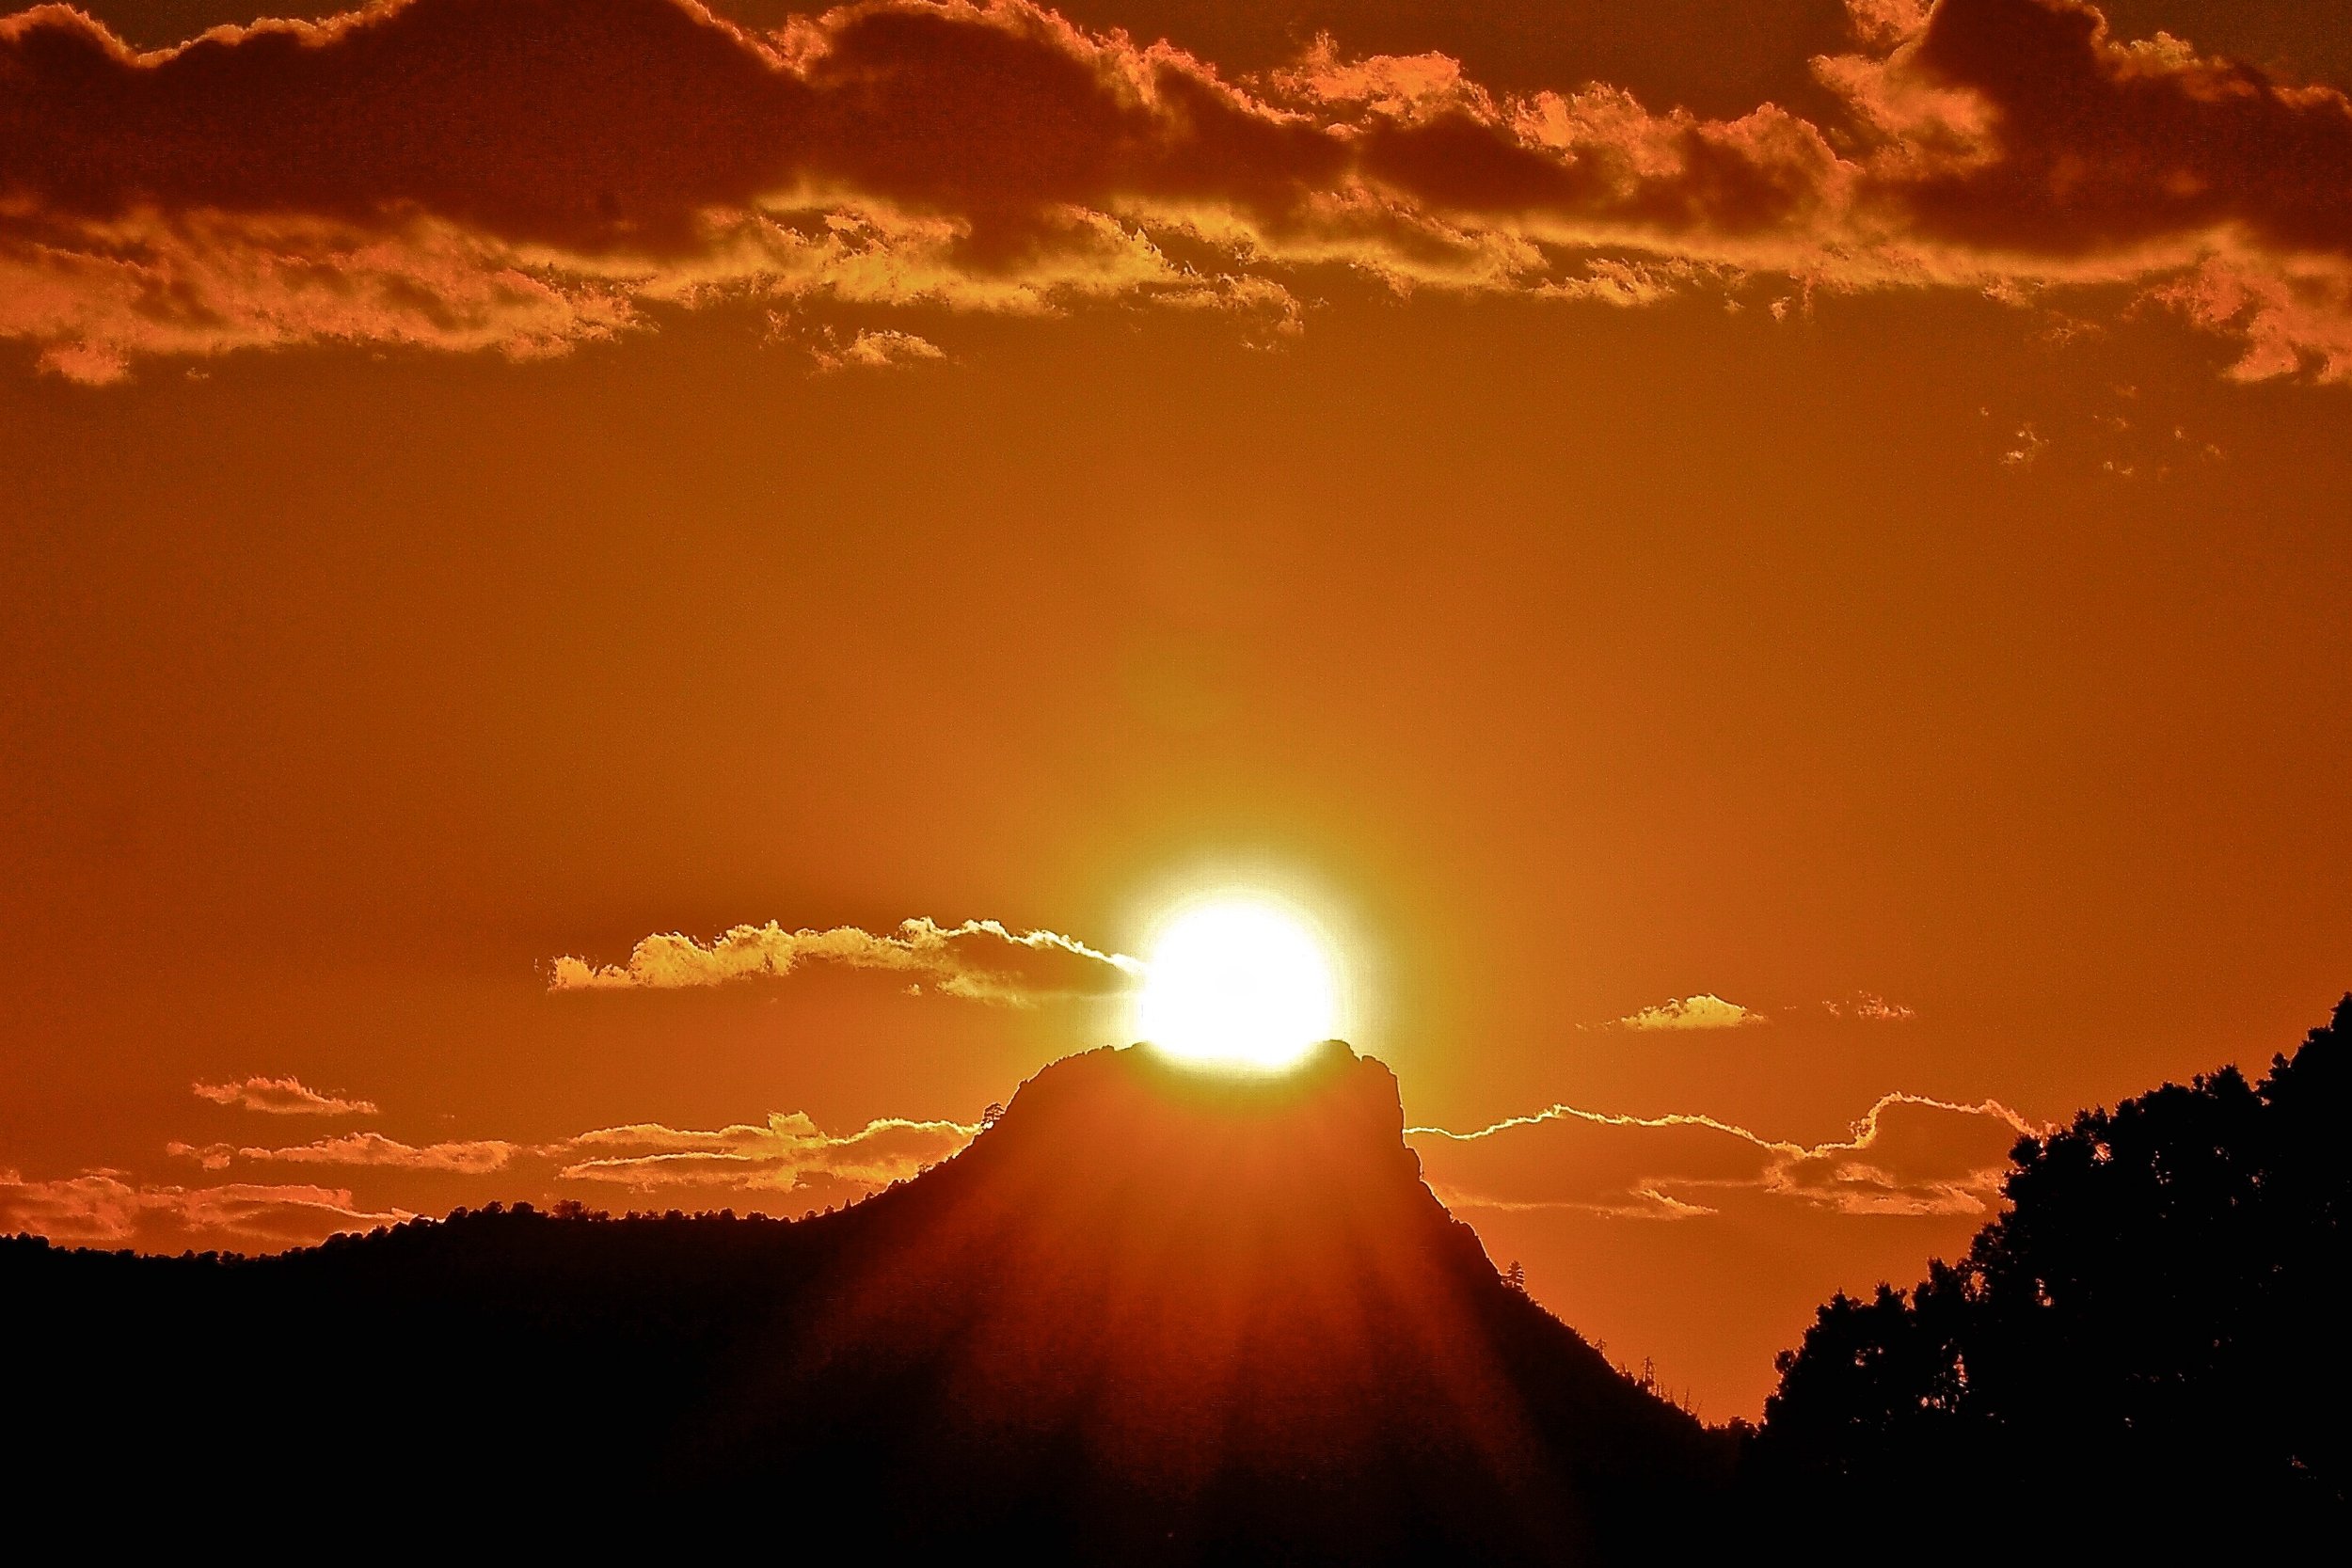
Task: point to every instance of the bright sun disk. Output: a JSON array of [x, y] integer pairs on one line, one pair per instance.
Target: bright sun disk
[[1238, 982]]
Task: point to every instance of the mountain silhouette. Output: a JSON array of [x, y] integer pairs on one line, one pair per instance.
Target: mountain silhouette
[[1151, 1314]]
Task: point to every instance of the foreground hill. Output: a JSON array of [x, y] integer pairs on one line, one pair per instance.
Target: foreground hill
[[1149, 1315]]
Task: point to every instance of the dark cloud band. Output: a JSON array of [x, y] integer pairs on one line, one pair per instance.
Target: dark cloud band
[[526, 175]]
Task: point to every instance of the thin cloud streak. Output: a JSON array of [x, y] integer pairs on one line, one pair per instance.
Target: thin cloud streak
[[107, 1209], [526, 176], [474, 1157], [1865, 1007], [282, 1097], [788, 1153], [979, 960], [874, 349], [1703, 1011], [1909, 1154]]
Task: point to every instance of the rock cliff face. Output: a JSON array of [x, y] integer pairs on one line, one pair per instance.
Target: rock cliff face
[[1167, 1307], [1153, 1314]]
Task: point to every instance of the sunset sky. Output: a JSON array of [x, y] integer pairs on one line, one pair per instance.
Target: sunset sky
[[1771, 574]]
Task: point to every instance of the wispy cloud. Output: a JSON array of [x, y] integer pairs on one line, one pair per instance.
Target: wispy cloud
[[1865, 1007], [107, 1208], [474, 1157], [873, 349], [534, 174], [1703, 1011], [1908, 1155], [785, 1153], [786, 1165], [979, 959], [282, 1097]]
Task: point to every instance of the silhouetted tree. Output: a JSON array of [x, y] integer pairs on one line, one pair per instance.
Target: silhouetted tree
[[2155, 1318]]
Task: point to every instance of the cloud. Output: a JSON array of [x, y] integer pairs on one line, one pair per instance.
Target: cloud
[[979, 959], [474, 1157], [1564, 1158], [1870, 1008], [1886, 23], [788, 1153], [874, 350], [103, 1208], [528, 175], [1691, 1012], [1908, 1155], [282, 1097], [787, 1165]]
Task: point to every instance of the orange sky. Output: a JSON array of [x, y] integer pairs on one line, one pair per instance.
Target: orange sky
[[1886, 552]]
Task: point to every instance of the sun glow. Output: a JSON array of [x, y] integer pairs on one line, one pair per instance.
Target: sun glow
[[1239, 981]]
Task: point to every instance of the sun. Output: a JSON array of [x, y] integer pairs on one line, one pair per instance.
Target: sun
[[1239, 981]]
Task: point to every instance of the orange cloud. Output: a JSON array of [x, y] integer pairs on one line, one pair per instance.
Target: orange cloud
[[526, 175], [788, 1154], [1908, 1155], [1886, 23], [979, 959], [1870, 1008], [1703, 1011], [102, 1209], [473, 1157], [874, 350], [282, 1097]]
